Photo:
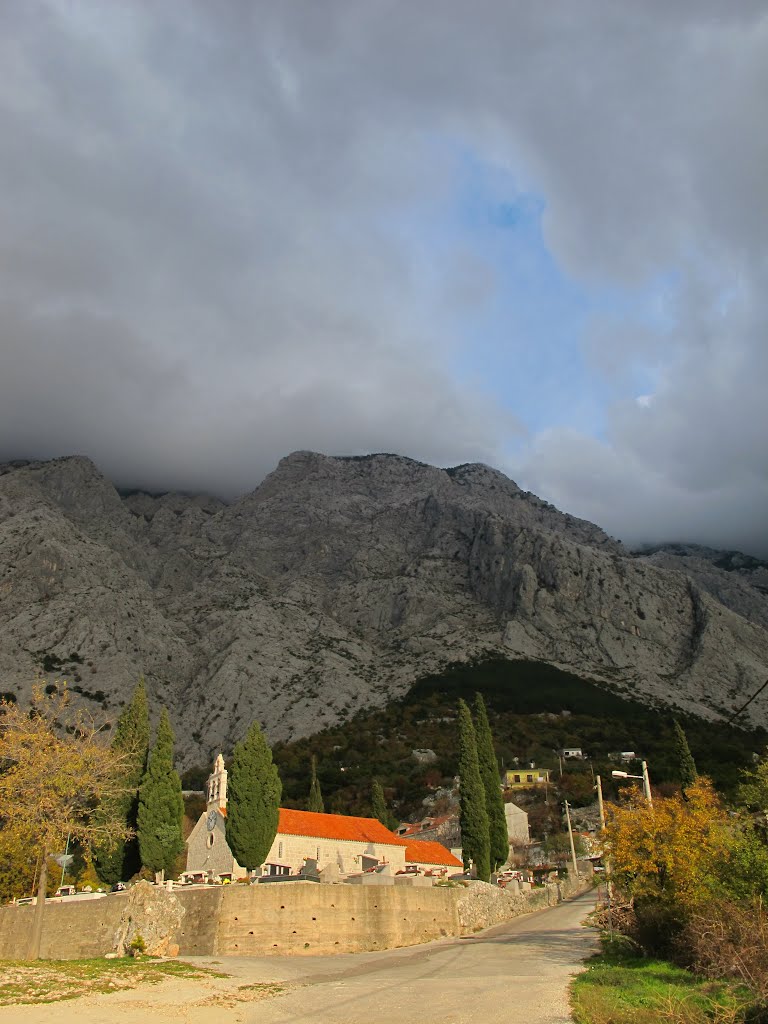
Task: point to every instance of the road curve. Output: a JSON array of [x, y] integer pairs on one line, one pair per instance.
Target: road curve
[[515, 973]]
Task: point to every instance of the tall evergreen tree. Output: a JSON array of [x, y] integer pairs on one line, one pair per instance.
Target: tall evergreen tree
[[686, 765], [494, 801], [379, 805], [253, 800], [161, 805], [473, 816], [315, 802], [131, 741]]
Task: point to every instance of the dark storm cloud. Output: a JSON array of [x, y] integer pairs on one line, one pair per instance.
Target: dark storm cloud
[[203, 267]]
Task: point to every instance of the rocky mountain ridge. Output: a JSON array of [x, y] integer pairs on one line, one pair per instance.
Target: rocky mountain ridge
[[336, 583]]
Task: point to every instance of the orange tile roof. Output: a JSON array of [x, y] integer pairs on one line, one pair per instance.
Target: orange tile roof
[[434, 822], [422, 852], [410, 830], [335, 826]]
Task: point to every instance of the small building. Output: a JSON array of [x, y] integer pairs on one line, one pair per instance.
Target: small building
[[572, 753], [522, 778], [407, 828], [444, 829]]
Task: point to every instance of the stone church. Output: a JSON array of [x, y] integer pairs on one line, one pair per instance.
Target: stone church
[[348, 845], [208, 854]]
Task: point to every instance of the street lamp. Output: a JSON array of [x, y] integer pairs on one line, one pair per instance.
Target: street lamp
[[643, 778]]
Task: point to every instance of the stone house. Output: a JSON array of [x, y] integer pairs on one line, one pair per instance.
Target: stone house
[[517, 825]]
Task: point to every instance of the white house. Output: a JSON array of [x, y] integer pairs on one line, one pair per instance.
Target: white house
[[517, 825]]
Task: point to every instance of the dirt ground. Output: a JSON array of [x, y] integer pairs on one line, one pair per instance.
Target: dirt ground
[[187, 1000]]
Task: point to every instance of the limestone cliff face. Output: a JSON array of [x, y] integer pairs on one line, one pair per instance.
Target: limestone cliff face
[[336, 583]]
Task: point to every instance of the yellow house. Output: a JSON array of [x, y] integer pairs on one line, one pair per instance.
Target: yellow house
[[522, 778]]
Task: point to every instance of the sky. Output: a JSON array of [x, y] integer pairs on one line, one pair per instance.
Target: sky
[[529, 235]]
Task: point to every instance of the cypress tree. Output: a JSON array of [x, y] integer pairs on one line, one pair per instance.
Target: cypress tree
[[494, 801], [473, 816], [379, 805], [161, 805], [131, 741], [253, 804], [315, 795], [686, 765]]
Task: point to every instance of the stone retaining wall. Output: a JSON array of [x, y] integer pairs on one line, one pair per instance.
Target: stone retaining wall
[[280, 918], [481, 906]]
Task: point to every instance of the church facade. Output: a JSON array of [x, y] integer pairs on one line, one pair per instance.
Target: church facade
[[208, 854]]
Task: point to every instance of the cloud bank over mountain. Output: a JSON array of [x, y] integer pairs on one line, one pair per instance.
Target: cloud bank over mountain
[[224, 238]]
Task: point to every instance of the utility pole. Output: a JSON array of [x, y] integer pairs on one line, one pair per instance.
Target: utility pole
[[644, 778], [647, 785], [601, 809], [606, 859], [65, 860], [570, 838]]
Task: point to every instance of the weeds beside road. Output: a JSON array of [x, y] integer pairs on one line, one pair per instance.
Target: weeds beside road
[[620, 986]]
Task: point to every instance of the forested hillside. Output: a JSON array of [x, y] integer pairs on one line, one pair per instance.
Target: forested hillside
[[535, 710]]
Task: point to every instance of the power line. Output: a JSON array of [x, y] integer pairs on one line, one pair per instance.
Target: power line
[[745, 706]]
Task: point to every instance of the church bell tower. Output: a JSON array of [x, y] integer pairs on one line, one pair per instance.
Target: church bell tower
[[217, 786]]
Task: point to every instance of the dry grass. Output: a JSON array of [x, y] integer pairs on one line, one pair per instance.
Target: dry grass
[[243, 994], [50, 981], [729, 939]]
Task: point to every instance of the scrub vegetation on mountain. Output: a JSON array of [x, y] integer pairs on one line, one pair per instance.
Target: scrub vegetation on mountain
[[534, 709]]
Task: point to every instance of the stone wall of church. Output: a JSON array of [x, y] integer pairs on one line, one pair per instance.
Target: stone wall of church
[[292, 850]]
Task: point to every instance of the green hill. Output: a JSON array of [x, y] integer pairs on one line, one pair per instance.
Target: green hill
[[535, 710]]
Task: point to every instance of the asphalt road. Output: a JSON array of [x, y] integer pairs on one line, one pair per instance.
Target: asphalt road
[[515, 973]]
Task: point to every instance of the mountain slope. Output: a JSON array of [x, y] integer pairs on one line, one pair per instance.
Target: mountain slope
[[334, 585]]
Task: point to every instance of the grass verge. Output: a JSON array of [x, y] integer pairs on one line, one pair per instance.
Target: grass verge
[[620, 987], [48, 981]]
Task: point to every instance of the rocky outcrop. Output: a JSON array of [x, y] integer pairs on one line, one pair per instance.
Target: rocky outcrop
[[150, 917], [336, 583]]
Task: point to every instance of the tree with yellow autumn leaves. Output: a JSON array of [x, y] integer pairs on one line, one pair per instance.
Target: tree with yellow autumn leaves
[[55, 770], [682, 860], [669, 850]]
